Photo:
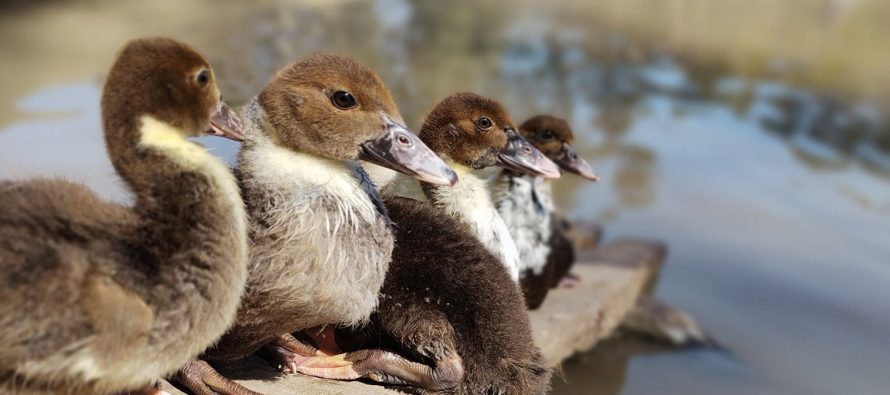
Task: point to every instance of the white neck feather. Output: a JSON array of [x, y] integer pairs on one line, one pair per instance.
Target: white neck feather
[[301, 173], [469, 202], [382, 176]]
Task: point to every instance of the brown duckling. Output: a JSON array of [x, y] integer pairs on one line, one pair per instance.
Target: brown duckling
[[451, 319], [525, 203], [469, 201], [321, 239], [100, 297]]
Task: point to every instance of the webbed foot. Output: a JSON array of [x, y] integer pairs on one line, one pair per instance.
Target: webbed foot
[[287, 352], [386, 367], [202, 379]]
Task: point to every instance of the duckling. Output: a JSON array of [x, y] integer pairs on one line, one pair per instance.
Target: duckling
[[99, 297], [469, 201], [450, 317], [321, 238], [547, 251], [526, 205]]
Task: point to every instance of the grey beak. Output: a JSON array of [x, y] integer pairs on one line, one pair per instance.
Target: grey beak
[[401, 150], [226, 123], [520, 155], [570, 161]]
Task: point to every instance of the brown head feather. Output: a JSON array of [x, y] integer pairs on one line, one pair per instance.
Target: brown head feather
[[298, 102], [454, 129]]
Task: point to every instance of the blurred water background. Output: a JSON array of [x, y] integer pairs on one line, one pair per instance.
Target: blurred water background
[[752, 136]]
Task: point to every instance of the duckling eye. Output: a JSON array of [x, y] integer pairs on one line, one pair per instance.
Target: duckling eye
[[343, 100], [203, 78], [484, 123], [547, 135]]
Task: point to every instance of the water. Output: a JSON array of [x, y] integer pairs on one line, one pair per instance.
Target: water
[[754, 140]]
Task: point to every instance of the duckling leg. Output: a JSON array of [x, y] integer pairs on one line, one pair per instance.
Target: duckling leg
[[287, 352], [324, 338], [386, 368], [202, 379]]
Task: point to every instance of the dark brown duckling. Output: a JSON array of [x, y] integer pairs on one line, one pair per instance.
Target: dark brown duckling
[[470, 201], [450, 319], [320, 236], [100, 297], [525, 203]]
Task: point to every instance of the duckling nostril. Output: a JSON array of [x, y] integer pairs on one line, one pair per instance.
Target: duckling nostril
[[527, 150]]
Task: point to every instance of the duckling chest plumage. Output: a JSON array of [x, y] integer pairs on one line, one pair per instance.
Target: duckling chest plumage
[[320, 243], [322, 257], [525, 204], [470, 203]]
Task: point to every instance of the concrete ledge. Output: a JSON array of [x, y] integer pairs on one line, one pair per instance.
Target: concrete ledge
[[571, 319]]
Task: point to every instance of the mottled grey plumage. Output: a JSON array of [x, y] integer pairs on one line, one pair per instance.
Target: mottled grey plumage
[[525, 204]]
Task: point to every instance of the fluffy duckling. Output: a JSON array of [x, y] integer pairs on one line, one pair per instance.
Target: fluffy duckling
[[100, 297], [469, 201], [526, 205], [321, 238], [451, 319]]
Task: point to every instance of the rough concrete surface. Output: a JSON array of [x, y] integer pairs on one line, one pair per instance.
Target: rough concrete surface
[[570, 320]]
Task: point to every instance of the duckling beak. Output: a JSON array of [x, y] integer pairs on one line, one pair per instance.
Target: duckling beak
[[226, 123], [401, 150], [570, 161], [522, 156]]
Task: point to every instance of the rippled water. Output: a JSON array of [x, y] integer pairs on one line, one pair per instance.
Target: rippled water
[[754, 140]]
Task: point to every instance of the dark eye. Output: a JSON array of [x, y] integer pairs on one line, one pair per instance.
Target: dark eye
[[343, 100], [547, 135], [484, 123], [203, 78]]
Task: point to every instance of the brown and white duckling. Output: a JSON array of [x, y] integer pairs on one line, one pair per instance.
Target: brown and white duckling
[[100, 297], [525, 203], [321, 239], [450, 319], [470, 201]]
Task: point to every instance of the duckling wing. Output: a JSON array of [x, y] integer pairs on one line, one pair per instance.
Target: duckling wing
[[62, 307], [562, 251]]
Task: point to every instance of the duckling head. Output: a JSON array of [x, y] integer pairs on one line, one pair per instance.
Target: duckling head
[[170, 82], [477, 132], [554, 137], [333, 107]]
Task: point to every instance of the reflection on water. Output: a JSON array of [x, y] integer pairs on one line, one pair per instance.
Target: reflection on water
[[753, 140]]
